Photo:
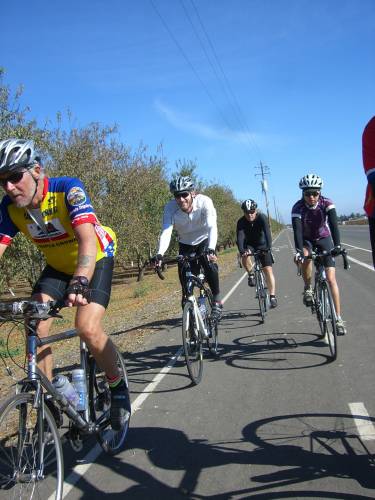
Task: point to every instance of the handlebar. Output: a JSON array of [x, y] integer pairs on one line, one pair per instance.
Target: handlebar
[[319, 254], [30, 309]]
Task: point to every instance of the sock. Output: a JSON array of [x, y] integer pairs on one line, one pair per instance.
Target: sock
[[115, 382]]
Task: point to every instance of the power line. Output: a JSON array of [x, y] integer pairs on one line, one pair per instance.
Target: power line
[[190, 63], [237, 107]]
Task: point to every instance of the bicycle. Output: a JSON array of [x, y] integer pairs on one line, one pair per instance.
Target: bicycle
[[260, 284], [198, 325], [31, 458], [322, 304]]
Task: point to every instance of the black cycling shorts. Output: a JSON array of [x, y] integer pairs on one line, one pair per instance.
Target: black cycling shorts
[[265, 258], [322, 244], [54, 283]]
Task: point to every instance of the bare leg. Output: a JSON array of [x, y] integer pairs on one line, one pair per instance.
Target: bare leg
[[270, 278]]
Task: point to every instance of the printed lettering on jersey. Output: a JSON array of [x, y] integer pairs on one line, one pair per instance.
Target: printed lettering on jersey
[[81, 207], [76, 196], [53, 230]]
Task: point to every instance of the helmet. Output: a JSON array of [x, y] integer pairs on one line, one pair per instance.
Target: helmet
[[249, 205], [181, 184], [15, 154], [310, 181]]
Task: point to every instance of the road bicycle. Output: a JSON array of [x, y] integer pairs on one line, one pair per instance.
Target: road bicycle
[[322, 304], [198, 325], [31, 458], [261, 290]]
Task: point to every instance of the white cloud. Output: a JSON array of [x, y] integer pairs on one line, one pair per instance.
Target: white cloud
[[183, 122]]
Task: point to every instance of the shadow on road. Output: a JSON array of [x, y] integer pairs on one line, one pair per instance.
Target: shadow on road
[[286, 453]]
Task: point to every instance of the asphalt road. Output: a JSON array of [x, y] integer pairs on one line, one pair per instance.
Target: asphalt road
[[272, 417]]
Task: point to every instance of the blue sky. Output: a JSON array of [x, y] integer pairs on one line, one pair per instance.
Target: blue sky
[[226, 83]]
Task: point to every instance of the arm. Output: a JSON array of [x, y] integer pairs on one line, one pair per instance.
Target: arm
[[298, 234], [86, 260], [2, 249], [333, 226], [267, 232], [241, 239], [212, 225]]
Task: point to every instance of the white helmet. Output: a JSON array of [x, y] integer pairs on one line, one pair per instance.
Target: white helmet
[[311, 181], [181, 184], [16, 154]]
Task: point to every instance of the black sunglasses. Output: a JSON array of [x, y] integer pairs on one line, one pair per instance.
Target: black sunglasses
[[311, 193], [13, 178], [185, 194], [250, 211]]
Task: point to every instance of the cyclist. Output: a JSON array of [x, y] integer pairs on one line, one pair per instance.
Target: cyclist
[[368, 152], [253, 234], [56, 214], [314, 221], [194, 218]]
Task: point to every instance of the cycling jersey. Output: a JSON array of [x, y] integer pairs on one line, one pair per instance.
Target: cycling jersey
[[314, 219], [193, 227], [255, 234], [64, 206], [368, 152]]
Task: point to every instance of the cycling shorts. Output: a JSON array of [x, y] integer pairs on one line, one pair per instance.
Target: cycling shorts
[[54, 283], [265, 258], [322, 244]]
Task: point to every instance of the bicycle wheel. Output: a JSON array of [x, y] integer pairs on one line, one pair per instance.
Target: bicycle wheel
[[329, 320], [266, 297], [319, 308], [112, 441], [212, 326], [192, 342], [31, 459], [260, 292]]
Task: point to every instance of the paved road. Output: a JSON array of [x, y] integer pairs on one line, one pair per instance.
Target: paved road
[[272, 417]]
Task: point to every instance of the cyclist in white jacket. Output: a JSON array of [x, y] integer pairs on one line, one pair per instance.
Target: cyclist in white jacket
[[194, 218]]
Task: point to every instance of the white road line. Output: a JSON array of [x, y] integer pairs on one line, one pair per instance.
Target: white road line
[[356, 248], [363, 264], [92, 455], [364, 425]]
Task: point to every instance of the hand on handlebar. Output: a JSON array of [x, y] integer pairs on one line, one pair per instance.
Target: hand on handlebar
[[336, 250], [157, 260], [299, 258], [211, 255]]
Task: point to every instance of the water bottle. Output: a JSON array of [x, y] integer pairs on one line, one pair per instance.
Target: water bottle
[[202, 306], [79, 383], [63, 386]]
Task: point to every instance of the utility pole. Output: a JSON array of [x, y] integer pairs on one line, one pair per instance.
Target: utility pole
[[276, 214], [264, 171]]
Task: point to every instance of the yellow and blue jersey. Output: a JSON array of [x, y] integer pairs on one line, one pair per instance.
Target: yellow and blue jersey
[[65, 205]]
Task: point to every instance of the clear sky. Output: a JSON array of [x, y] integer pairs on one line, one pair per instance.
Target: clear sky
[[226, 83]]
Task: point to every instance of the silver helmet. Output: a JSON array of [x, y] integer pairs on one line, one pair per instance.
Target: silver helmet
[[311, 181], [16, 154], [181, 184]]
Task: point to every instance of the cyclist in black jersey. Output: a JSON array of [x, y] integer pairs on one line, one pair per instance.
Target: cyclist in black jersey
[[253, 233]]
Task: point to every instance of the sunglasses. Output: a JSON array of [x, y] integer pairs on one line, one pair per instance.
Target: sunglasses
[[311, 193], [13, 178], [182, 195], [251, 212]]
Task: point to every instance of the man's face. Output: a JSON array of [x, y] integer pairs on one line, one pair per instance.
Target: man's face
[[19, 186], [250, 216], [184, 200]]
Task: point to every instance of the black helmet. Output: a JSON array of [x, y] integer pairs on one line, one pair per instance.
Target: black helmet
[[181, 184], [16, 154], [249, 205]]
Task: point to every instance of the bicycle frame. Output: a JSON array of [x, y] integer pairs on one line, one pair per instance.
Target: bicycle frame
[[37, 378]]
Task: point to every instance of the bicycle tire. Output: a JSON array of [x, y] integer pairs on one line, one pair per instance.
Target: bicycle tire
[[318, 307], [26, 435], [192, 343], [266, 297], [212, 326], [112, 441], [260, 294], [330, 320]]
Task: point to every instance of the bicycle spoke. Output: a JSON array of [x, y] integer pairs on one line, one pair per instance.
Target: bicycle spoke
[[192, 343], [31, 461]]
